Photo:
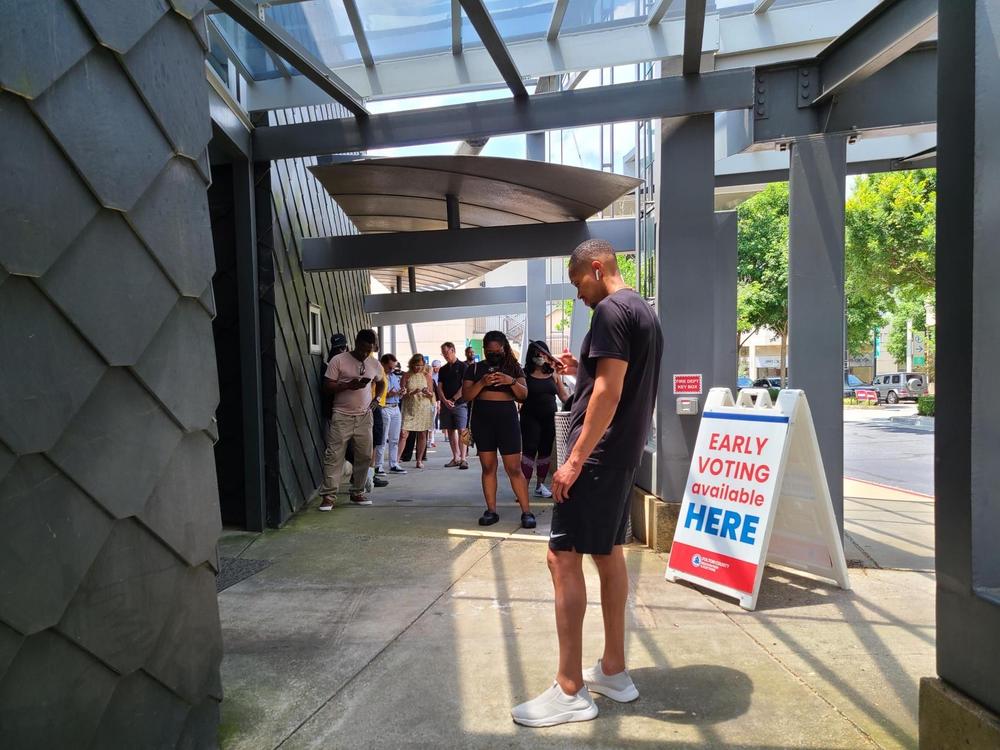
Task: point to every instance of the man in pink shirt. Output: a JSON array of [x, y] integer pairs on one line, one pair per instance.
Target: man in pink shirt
[[348, 377]]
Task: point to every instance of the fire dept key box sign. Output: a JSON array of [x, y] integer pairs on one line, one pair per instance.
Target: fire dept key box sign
[[756, 494]]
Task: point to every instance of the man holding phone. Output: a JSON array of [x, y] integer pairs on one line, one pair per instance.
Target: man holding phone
[[348, 377]]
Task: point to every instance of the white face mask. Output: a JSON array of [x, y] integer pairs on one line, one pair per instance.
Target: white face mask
[[538, 360]]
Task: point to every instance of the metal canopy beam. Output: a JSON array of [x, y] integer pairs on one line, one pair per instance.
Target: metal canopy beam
[[354, 16], [456, 27], [272, 36], [478, 297], [876, 40], [657, 13], [866, 156], [762, 6], [433, 315], [494, 44], [641, 100], [461, 245], [901, 95], [555, 23], [694, 33]]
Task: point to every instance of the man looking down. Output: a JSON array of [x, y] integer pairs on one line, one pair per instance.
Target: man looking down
[[617, 376]]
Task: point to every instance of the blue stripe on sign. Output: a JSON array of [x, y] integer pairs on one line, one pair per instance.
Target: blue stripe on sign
[[745, 417]]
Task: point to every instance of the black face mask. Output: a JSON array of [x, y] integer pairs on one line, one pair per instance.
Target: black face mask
[[494, 358]]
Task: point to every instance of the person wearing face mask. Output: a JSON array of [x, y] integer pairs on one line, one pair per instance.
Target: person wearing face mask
[[492, 387], [418, 405], [538, 415]]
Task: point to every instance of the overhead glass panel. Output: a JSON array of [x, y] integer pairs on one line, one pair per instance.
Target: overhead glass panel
[[322, 27], [400, 28], [589, 14], [729, 8], [251, 52], [520, 19]]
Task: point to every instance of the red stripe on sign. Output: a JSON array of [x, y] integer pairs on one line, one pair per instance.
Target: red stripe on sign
[[711, 566]]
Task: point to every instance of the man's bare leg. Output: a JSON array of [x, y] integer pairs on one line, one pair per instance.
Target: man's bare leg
[[571, 606], [614, 595]]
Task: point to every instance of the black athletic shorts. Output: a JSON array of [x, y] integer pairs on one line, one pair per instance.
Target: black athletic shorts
[[594, 518], [495, 427]]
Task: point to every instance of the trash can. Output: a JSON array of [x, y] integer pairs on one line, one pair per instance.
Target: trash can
[[562, 436]]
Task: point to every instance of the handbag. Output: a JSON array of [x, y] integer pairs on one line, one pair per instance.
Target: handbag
[[466, 434]]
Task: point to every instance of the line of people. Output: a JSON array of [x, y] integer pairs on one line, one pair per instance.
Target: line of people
[[507, 412]]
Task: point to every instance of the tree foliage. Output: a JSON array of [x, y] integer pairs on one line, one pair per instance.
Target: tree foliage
[[889, 258], [762, 262], [891, 224]]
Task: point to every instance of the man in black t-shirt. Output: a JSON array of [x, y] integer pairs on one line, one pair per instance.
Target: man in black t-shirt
[[617, 377], [454, 409]]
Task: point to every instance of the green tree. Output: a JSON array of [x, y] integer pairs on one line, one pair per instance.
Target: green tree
[[762, 266], [890, 256], [891, 224]]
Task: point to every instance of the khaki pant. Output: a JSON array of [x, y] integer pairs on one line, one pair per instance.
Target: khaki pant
[[344, 428]]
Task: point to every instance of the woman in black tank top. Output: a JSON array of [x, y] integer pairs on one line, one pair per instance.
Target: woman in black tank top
[[492, 387], [538, 415]]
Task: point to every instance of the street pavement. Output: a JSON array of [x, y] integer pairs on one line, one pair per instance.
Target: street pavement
[[881, 451]]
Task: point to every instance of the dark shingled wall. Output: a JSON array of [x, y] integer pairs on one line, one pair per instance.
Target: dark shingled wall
[[293, 429], [109, 626]]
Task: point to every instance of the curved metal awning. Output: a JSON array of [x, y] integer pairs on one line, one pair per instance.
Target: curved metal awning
[[408, 194]]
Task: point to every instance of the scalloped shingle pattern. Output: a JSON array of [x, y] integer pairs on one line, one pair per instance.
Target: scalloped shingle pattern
[[109, 624]]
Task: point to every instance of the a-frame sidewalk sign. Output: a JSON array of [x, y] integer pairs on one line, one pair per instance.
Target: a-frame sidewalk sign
[[756, 494]]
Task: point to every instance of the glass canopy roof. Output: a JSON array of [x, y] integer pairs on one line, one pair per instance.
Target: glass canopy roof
[[391, 32]]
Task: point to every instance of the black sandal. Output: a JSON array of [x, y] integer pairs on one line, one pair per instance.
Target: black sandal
[[528, 521], [488, 518]]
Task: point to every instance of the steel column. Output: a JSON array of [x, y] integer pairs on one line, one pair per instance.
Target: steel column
[[967, 473], [244, 205], [727, 354], [817, 187], [579, 324], [535, 284], [685, 280]]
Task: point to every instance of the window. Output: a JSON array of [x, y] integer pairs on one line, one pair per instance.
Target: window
[[895, 379], [315, 330]]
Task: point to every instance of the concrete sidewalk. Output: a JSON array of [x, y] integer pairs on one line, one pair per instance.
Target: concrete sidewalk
[[404, 625]]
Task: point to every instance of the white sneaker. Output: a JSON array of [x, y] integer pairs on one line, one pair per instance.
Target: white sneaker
[[542, 491], [618, 687], [555, 707]]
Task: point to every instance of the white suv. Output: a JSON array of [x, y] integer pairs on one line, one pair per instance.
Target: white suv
[[897, 386]]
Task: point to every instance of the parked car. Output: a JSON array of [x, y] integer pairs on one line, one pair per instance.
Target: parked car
[[851, 382], [774, 382], [743, 382], [899, 386]]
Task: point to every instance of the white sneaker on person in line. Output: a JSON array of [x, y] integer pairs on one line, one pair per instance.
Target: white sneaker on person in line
[[542, 491], [618, 687], [555, 707]]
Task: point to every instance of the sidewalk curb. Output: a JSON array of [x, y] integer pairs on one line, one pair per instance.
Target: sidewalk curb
[[919, 423]]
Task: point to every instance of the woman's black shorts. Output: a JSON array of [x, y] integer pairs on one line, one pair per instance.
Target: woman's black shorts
[[495, 427]]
